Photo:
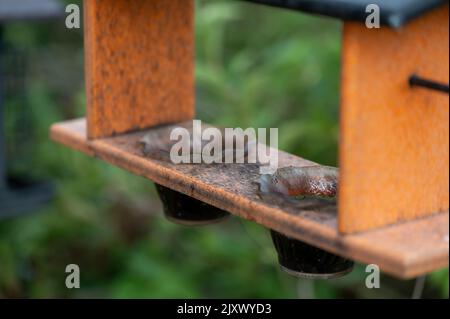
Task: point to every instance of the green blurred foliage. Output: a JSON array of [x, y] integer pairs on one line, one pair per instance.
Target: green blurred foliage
[[255, 67]]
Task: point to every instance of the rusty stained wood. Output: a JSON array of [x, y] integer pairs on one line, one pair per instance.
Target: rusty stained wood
[[394, 144], [404, 250], [139, 64]]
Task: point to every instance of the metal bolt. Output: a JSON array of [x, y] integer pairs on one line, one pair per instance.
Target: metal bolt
[[415, 80]]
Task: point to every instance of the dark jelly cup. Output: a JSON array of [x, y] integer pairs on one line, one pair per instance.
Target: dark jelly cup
[[185, 210], [305, 261]]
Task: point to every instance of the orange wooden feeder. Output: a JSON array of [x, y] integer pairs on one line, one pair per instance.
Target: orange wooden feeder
[[394, 154]]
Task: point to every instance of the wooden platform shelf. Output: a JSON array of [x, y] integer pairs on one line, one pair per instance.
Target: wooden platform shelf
[[404, 250]]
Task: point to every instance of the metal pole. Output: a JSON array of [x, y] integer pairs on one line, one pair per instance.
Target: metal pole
[[419, 287], [3, 184]]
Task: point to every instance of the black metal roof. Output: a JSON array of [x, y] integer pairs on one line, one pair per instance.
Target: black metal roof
[[29, 9], [393, 13]]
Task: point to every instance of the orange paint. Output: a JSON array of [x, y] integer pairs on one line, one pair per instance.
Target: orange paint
[[139, 64], [394, 147]]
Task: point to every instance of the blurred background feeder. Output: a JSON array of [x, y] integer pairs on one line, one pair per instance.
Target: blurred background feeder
[[19, 194], [186, 210], [305, 261]]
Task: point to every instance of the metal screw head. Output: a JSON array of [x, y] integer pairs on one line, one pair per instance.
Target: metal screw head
[[305, 261], [185, 210]]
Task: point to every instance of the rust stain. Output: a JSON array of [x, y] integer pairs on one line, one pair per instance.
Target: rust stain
[[139, 64]]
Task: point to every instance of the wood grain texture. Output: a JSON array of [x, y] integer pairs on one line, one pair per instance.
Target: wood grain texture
[[139, 59], [404, 250], [394, 147]]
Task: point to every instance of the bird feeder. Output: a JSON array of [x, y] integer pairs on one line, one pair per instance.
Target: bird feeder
[[19, 194], [394, 130]]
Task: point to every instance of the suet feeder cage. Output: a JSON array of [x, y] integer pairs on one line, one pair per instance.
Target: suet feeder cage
[[19, 194]]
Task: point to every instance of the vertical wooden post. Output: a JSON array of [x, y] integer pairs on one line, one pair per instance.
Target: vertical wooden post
[[139, 62], [394, 148]]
